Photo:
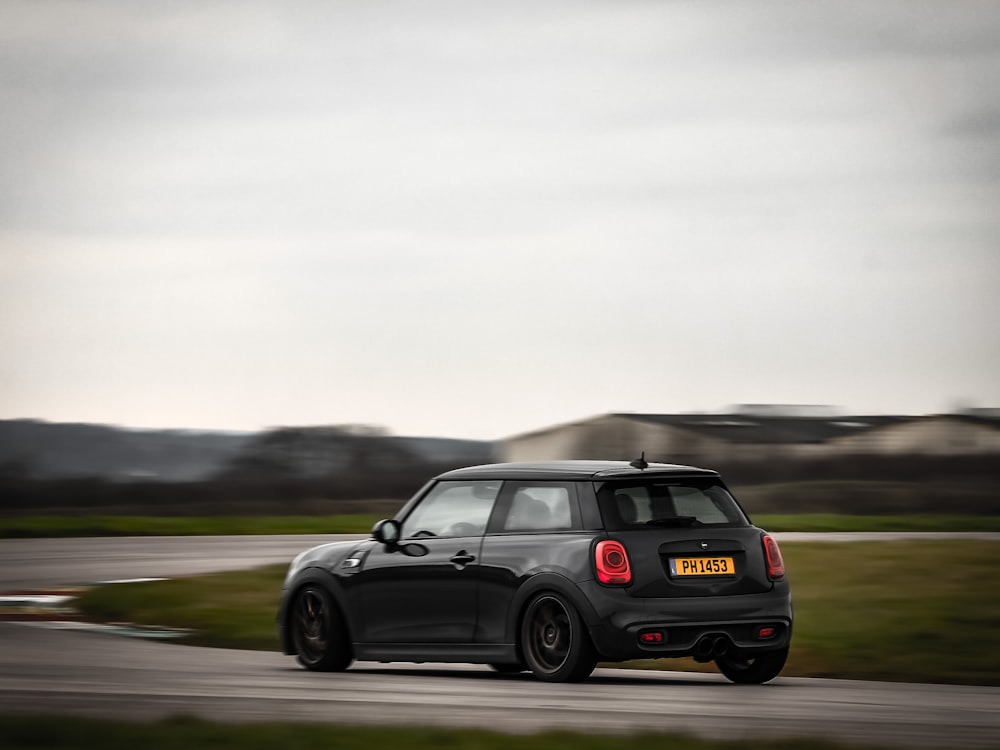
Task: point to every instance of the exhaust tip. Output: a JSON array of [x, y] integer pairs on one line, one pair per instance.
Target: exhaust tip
[[720, 647], [710, 647], [703, 649]]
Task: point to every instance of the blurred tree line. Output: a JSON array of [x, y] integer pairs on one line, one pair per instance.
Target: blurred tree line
[[865, 484], [285, 471], [355, 469]]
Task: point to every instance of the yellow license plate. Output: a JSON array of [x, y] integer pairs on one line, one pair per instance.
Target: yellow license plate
[[702, 566]]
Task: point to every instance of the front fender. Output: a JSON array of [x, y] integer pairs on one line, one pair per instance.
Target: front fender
[[329, 583]]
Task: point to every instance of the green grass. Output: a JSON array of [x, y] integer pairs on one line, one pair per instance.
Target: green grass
[[900, 611], [918, 611], [841, 522], [59, 733], [228, 610], [67, 526]]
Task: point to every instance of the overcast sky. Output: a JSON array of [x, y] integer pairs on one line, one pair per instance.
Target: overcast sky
[[474, 219]]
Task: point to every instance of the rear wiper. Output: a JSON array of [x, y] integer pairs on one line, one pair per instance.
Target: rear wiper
[[675, 521]]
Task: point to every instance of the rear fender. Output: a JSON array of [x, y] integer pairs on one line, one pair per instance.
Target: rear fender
[[547, 582]]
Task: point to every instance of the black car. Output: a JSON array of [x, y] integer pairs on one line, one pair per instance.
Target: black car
[[549, 567]]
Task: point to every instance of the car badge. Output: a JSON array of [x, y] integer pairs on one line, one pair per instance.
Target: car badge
[[704, 545]]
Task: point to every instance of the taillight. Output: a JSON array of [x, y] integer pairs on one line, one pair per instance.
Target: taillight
[[775, 564], [612, 563]]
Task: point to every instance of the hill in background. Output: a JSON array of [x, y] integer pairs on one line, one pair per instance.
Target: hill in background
[[33, 449]]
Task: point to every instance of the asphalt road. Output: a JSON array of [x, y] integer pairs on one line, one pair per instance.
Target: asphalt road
[[88, 674], [48, 670]]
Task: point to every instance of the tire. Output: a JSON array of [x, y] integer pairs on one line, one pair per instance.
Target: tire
[[554, 641], [318, 632], [753, 670]]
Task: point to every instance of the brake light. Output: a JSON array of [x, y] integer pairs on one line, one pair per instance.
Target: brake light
[[612, 563], [775, 563]]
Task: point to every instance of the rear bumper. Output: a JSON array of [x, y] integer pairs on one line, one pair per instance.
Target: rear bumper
[[618, 620]]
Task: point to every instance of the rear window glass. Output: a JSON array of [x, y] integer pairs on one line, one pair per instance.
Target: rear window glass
[[665, 504]]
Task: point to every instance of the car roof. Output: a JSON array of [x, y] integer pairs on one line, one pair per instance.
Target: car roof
[[572, 470]]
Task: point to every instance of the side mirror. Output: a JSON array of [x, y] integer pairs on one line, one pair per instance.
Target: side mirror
[[387, 532]]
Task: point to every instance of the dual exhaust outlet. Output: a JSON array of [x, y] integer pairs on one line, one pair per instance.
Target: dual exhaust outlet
[[711, 647]]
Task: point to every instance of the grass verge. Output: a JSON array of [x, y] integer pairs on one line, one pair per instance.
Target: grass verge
[[822, 522], [899, 611], [60, 733], [229, 610], [916, 611], [71, 526]]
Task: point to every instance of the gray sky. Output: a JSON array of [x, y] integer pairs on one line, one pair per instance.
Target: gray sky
[[474, 219]]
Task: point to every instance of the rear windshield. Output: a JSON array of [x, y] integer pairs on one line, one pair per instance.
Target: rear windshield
[[673, 503]]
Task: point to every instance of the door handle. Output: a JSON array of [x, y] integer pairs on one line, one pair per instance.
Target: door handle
[[462, 559]]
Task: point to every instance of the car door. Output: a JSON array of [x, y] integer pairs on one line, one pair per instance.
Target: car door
[[424, 588], [537, 528]]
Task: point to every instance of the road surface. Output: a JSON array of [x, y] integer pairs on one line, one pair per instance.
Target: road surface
[[48, 670], [89, 674]]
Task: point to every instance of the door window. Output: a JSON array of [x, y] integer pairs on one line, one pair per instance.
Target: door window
[[452, 509]]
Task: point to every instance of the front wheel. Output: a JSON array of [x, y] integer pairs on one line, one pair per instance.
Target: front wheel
[[753, 670], [318, 632], [554, 641]]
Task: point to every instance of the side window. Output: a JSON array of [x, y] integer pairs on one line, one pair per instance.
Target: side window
[[452, 509], [540, 508]]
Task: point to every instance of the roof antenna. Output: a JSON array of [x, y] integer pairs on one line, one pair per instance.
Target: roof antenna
[[640, 463]]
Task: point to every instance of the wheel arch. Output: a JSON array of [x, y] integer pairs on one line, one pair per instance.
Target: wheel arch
[[329, 583], [546, 583]]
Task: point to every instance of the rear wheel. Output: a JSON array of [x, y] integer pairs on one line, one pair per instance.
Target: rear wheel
[[318, 632], [554, 641], [753, 670]]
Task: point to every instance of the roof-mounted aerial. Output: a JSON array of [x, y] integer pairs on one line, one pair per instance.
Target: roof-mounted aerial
[[640, 463]]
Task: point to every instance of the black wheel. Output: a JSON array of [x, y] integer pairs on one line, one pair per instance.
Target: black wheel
[[318, 632], [554, 642], [753, 670], [508, 668]]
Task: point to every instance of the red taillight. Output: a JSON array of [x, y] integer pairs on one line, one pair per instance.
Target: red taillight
[[651, 636], [765, 633], [612, 563], [775, 564]]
